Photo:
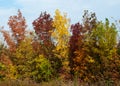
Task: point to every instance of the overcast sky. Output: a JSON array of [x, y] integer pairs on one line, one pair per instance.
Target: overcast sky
[[31, 9]]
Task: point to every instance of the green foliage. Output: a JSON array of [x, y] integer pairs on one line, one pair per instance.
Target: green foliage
[[100, 46], [104, 37], [2, 69], [102, 40], [42, 70]]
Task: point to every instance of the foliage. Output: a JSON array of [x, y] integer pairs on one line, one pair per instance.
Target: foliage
[[43, 26], [9, 40], [23, 56], [42, 70], [61, 33], [78, 55], [61, 37], [87, 51], [18, 26], [2, 69], [76, 43], [43, 43], [101, 46], [5, 64]]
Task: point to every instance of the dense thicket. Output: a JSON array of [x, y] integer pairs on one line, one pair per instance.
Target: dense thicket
[[54, 48]]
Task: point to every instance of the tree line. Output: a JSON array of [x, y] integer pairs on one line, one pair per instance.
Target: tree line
[[54, 48]]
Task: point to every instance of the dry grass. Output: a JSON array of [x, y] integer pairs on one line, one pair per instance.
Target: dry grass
[[57, 83]]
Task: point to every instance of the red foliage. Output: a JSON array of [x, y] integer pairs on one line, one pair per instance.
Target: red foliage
[[43, 26], [75, 42], [9, 41], [18, 26], [76, 35]]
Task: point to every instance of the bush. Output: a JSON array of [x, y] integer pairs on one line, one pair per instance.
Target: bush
[[42, 70]]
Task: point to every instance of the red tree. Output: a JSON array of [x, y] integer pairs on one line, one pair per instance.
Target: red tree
[[17, 25], [43, 26]]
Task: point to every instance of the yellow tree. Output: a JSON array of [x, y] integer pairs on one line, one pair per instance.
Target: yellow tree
[[61, 37], [23, 57]]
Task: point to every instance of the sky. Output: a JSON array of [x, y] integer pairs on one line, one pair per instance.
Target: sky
[[31, 9]]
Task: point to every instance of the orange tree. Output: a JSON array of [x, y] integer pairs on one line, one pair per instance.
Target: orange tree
[[78, 55]]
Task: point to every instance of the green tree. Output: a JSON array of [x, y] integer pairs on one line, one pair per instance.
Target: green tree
[[101, 46]]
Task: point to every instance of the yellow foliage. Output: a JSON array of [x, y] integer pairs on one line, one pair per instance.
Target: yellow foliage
[[25, 49], [61, 36], [61, 33], [24, 55], [11, 72]]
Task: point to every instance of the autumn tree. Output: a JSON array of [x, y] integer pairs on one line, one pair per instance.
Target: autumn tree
[[23, 55], [29, 64], [43, 43], [99, 46], [43, 26], [7, 69], [61, 37], [2, 65], [91, 52], [43, 29], [13, 38], [11, 44], [17, 24], [76, 44], [78, 56]]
